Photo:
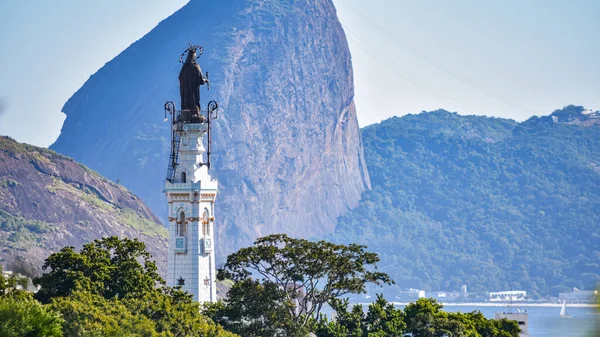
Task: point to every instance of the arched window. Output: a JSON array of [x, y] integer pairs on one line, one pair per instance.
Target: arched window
[[181, 225], [183, 177], [205, 224]]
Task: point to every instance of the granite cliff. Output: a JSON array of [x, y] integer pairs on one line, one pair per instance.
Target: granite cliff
[[287, 148], [48, 201]]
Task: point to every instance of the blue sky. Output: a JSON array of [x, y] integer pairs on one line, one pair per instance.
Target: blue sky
[[505, 58]]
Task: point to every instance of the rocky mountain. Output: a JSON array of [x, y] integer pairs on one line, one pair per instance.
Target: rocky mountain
[[287, 148], [48, 201], [486, 202]]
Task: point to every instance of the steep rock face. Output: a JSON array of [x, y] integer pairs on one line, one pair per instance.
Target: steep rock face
[[48, 201], [287, 149]]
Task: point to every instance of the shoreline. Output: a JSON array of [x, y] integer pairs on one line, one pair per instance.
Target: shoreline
[[505, 304]]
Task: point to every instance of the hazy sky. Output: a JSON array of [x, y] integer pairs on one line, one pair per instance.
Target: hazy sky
[[509, 58]]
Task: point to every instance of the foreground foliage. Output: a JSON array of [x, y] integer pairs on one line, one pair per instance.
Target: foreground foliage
[[381, 319], [297, 277], [111, 288], [109, 267], [255, 309], [424, 318], [25, 317], [482, 201], [21, 315]]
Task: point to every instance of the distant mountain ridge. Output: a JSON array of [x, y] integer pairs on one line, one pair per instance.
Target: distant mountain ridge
[[486, 202], [287, 149], [48, 201]]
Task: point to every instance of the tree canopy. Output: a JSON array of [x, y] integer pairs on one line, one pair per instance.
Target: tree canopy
[[297, 277], [109, 267], [111, 288], [26, 317], [425, 318]]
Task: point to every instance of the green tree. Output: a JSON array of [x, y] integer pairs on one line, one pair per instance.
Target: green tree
[[425, 318], [161, 312], [112, 288], [297, 278], [381, 320], [175, 314], [254, 309], [26, 317], [109, 267], [421, 317], [87, 314], [492, 327]]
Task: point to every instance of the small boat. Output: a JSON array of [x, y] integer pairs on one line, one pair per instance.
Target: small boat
[[563, 311]]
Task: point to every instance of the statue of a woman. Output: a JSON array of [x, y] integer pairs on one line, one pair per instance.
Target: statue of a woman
[[190, 80]]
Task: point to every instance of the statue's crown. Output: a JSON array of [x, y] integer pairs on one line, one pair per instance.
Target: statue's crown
[[191, 51]]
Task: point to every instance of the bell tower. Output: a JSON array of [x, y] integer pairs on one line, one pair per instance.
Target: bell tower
[[190, 190]]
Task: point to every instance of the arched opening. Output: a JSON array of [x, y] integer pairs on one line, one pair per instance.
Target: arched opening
[[205, 224], [183, 177], [181, 225]]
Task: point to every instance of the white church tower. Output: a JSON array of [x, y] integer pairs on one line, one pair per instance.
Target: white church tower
[[189, 188]]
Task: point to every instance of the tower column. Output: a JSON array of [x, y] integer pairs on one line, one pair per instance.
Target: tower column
[[190, 190]]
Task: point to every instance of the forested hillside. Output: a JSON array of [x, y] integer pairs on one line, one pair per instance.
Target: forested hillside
[[481, 201]]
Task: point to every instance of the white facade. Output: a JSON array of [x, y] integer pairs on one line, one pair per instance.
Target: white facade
[[505, 296], [577, 295], [191, 200]]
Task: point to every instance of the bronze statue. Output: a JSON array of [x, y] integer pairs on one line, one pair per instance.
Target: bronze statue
[[190, 80]]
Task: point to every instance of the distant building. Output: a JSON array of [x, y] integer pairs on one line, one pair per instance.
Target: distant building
[[579, 296], [506, 296], [445, 295], [30, 287], [410, 294]]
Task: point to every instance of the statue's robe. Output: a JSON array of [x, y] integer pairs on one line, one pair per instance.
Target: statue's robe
[[190, 80]]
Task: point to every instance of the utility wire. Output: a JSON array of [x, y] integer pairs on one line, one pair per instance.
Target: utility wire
[[448, 71], [402, 72]]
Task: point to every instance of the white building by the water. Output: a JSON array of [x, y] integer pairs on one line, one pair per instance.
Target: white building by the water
[[506, 296], [579, 296]]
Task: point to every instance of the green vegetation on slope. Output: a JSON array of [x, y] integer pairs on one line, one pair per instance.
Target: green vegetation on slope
[[482, 201], [20, 233]]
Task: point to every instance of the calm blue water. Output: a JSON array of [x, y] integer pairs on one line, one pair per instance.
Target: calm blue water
[[546, 322]]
